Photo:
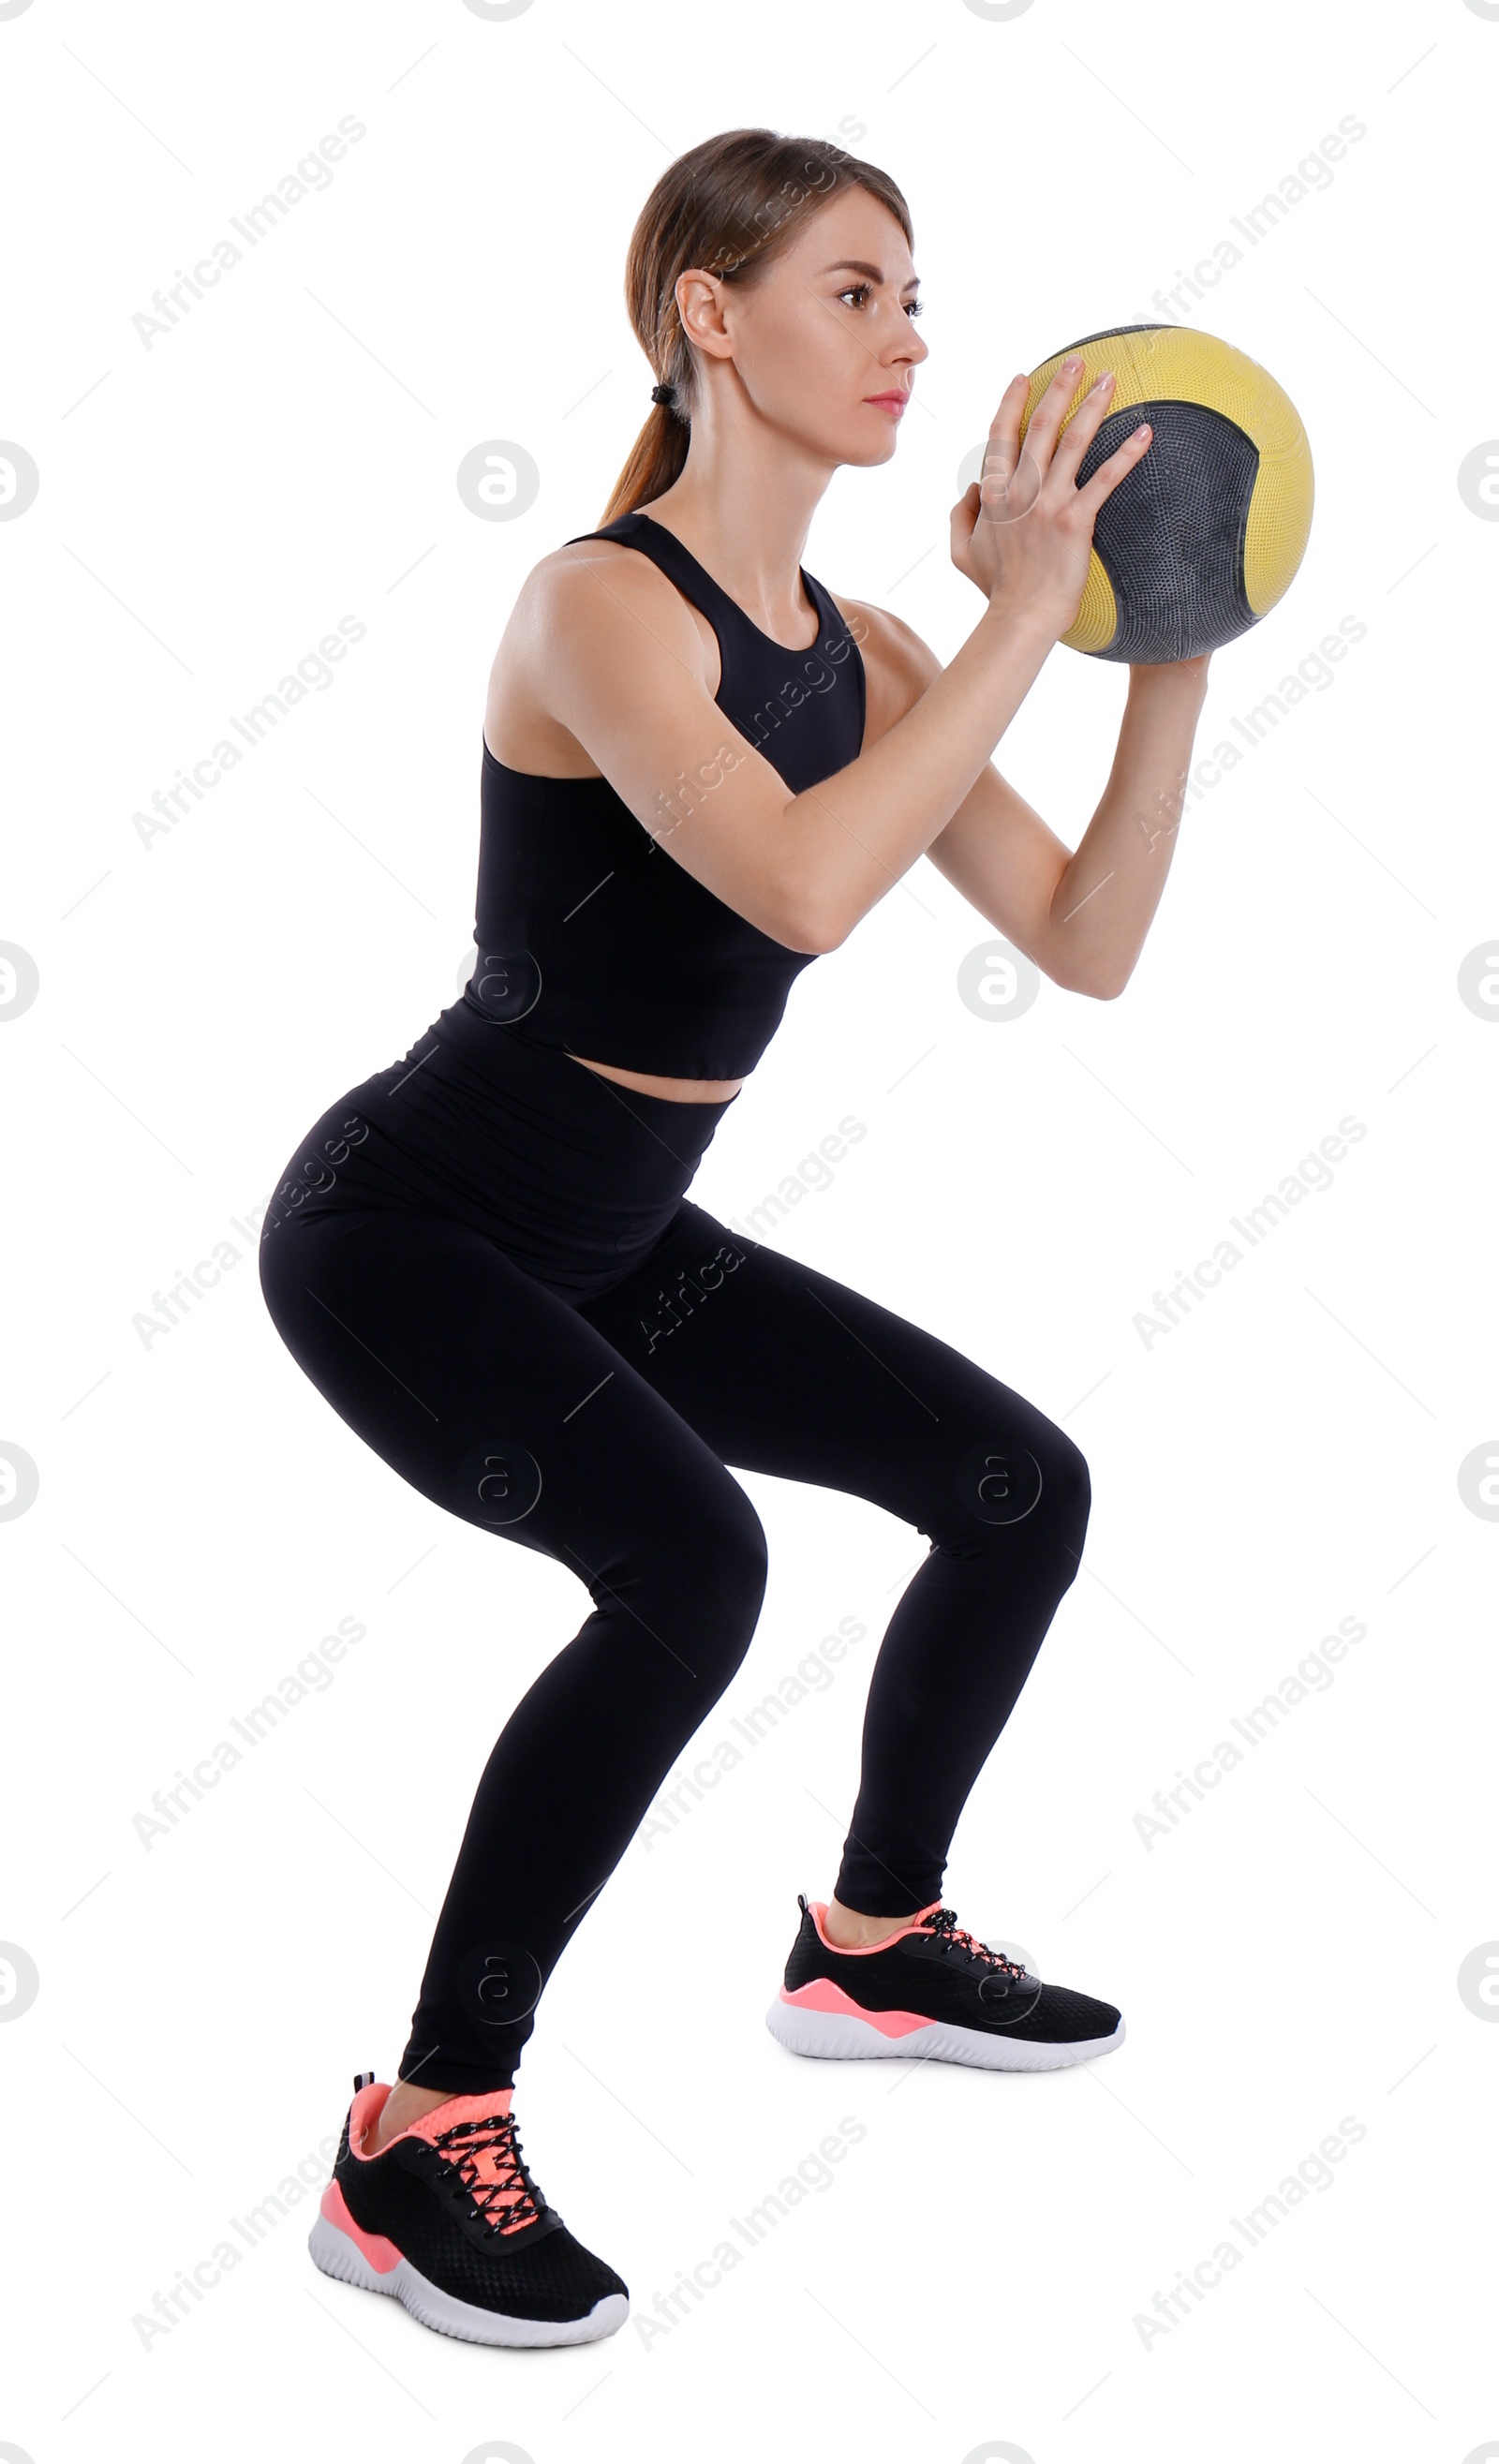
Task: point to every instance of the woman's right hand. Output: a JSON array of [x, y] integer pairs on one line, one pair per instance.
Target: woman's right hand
[[1022, 535]]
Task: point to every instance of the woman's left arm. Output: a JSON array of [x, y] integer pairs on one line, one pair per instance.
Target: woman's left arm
[[1082, 916]]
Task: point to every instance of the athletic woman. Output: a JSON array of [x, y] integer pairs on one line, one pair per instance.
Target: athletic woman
[[700, 768]]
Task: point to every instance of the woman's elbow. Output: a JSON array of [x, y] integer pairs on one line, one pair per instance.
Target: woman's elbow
[[1097, 984], [810, 927]]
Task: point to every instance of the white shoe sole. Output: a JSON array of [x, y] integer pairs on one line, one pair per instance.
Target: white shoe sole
[[836, 2035], [339, 2256]]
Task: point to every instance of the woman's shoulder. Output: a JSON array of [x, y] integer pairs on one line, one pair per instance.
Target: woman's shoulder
[[898, 665], [594, 583], [589, 614]]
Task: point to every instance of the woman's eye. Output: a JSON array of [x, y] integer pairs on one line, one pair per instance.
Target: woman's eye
[[860, 292]]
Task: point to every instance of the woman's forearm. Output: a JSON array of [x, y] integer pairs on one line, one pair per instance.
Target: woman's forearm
[[1108, 894], [848, 838]]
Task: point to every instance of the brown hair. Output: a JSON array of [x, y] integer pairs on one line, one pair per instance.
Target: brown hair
[[730, 206]]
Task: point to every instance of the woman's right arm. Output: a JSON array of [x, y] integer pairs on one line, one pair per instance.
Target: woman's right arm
[[613, 654]]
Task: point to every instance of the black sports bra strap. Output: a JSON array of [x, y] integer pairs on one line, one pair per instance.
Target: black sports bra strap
[[695, 582], [678, 563]]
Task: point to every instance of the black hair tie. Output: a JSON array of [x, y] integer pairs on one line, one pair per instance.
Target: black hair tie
[[663, 393]]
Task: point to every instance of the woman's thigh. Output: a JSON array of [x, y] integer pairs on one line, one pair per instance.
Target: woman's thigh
[[497, 1399], [782, 1369]]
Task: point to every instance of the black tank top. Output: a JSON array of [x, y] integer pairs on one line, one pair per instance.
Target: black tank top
[[592, 938]]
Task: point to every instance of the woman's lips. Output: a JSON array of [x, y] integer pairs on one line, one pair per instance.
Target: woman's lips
[[895, 402]]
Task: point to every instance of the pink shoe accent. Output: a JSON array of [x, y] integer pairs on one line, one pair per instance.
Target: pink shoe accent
[[370, 2104], [484, 2160], [903, 1926], [383, 2255], [486, 2163], [460, 2108], [365, 2112], [822, 1994]]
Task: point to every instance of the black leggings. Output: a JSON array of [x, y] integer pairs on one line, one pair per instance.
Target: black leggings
[[597, 1430]]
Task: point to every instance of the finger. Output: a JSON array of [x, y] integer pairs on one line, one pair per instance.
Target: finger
[[1001, 447], [1108, 476], [1083, 427], [964, 515], [1052, 410]]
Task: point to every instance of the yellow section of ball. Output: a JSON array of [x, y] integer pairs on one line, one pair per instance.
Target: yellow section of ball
[[1173, 364]]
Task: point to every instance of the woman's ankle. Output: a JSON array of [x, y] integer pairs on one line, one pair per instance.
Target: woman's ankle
[[848, 1930], [405, 2104]]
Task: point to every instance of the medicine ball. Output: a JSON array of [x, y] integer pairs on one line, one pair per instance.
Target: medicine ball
[[1203, 536]]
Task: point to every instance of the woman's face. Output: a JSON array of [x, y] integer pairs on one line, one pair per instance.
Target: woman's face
[[825, 342]]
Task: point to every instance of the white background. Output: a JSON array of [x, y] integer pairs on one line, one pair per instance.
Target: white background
[[1287, 1457]]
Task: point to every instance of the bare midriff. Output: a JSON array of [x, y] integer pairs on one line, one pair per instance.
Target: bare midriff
[[676, 1090]]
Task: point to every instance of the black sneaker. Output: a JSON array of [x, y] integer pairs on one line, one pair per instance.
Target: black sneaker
[[447, 2218], [931, 1988]]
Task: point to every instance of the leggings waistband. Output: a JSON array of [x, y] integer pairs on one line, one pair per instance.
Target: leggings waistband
[[571, 1175]]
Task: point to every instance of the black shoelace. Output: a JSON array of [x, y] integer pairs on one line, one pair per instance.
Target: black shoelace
[[464, 2143], [943, 1924]]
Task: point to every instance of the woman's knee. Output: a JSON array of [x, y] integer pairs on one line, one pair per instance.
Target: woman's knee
[[1067, 1490], [1028, 1479], [1065, 1474], [702, 1585], [731, 1565]]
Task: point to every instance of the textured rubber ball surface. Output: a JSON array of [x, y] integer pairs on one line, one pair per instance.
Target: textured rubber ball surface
[[1171, 537], [1204, 533]]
